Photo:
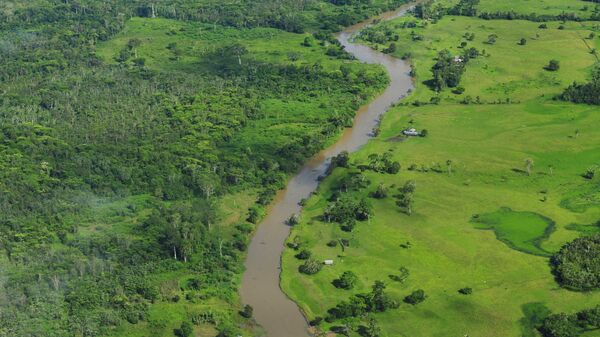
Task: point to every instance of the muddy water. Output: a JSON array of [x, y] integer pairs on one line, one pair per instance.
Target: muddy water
[[276, 313]]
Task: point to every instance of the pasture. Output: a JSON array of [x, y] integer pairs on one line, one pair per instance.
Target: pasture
[[512, 146]]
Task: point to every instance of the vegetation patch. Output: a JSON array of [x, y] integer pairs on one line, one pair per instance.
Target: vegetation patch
[[577, 264], [571, 325], [534, 315], [585, 229], [522, 231], [581, 199]]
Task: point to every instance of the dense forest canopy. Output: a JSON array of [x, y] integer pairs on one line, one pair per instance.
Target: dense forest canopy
[[112, 172]]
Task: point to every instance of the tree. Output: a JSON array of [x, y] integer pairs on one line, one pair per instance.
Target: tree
[[523, 42], [446, 71], [588, 93], [491, 39], [310, 267], [391, 49], [528, 165], [590, 172], [308, 41], [560, 325], [577, 264], [553, 65], [372, 329], [405, 199], [228, 53], [380, 192], [346, 281], [449, 165]]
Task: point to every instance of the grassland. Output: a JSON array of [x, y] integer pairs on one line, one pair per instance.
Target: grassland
[[487, 144], [541, 7]]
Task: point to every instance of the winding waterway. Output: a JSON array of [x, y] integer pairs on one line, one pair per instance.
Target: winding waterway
[[273, 310]]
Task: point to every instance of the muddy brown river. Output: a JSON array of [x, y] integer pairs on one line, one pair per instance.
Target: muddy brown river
[[273, 310]]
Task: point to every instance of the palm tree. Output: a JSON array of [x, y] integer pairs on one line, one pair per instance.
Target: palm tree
[[528, 165]]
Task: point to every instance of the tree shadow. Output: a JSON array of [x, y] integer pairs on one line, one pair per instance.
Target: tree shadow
[[518, 170]]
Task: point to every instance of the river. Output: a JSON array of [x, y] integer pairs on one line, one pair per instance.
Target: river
[[273, 310]]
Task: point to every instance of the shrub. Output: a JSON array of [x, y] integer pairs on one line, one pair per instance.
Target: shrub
[[185, 330], [194, 283], [553, 65], [590, 173], [292, 220], [380, 192], [466, 291], [316, 322], [346, 281], [304, 255], [404, 273], [416, 297], [458, 90], [247, 311], [310, 267]]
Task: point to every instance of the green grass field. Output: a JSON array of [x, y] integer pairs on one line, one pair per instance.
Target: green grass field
[[540, 7], [488, 144]]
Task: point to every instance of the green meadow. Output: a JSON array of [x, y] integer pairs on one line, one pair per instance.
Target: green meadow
[[512, 160], [540, 7]]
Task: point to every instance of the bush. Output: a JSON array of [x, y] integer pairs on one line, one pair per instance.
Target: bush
[[310, 267], [381, 192], [415, 297], [185, 330], [316, 322], [590, 173], [553, 65], [404, 273], [466, 291], [458, 90], [247, 311], [304, 254], [346, 281]]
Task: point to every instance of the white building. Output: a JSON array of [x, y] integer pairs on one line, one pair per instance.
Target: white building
[[411, 132]]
